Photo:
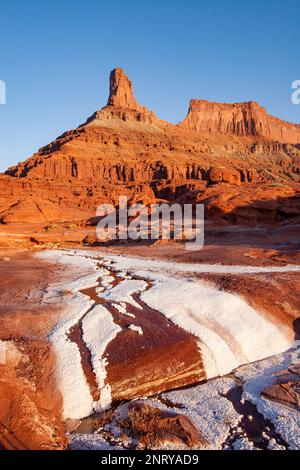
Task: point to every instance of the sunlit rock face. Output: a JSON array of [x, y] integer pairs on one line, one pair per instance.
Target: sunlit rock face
[[241, 119], [124, 149]]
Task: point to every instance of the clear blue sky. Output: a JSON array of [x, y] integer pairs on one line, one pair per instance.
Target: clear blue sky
[[56, 57]]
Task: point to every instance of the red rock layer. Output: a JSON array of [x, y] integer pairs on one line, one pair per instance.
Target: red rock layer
[[239, 119], [120, 91], [124, 149], [30, 402], [122, 105]]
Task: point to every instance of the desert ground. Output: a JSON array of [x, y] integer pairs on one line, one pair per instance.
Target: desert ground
[[102, 341]]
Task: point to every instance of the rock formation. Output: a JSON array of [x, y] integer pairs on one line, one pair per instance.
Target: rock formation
[[120, 91], [122, 107], [241, 119], [124, 149], [287, 388], [155, 428], [32, 210]]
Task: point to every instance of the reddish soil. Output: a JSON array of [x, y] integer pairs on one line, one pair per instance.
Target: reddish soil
[[30, 403]]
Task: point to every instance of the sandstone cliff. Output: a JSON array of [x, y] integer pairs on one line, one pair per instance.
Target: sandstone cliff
[[122, 109], [239, 119], [125, 149], [121, 92]]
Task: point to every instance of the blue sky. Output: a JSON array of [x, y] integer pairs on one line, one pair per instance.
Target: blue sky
[[56, 57]]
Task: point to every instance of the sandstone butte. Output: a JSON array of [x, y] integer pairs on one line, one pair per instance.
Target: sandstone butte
[[243, 163]]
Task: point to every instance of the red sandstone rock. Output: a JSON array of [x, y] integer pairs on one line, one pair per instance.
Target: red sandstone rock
[[239, 119], [287, 393], [223, 175], [287, 388], [122, 109], [123, 149], [30, 402], [31, 210], [155, 428], [120, 91]]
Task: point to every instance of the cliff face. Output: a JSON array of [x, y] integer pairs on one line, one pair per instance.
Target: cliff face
[[122, 109], [241, 119], [121, 92], [124, 149]]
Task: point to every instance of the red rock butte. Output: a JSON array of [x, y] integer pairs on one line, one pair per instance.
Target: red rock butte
[[125, 149], [239, 119], [120, 91]]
